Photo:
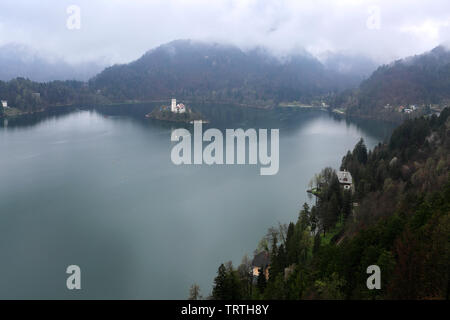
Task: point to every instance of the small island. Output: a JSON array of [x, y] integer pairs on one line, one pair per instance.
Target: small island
[[176, 113]]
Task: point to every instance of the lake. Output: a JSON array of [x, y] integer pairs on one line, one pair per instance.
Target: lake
[[97, 189]]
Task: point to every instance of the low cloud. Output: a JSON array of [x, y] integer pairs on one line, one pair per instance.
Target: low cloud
[[119, 31]]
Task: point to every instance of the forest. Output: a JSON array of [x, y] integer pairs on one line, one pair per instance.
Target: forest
[[397, 217], [206, 71], [30, 96], [225, 74], [421, 80]]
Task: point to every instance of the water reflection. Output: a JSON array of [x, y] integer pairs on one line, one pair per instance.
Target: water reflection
[[220, 116], [97, 188]]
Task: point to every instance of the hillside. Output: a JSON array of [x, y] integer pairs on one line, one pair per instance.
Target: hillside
[[422, 80], [196, 70], [398, 218], [27, 96]]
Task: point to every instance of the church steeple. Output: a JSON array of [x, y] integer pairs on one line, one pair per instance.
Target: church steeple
[[174, 105]]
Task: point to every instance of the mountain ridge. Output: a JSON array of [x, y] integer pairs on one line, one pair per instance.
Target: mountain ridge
[[203, 70], [421, 80]]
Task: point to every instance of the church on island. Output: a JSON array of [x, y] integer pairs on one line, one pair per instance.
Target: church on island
[[177, 108], [175, 112]]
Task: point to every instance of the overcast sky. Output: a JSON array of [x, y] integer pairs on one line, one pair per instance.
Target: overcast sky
[[122, 30]]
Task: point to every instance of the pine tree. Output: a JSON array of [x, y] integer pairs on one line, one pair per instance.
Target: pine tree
[[314, 219], [291, 248], [261, 281], [360, 151], [220, 284], [304, 217], [347, 204]]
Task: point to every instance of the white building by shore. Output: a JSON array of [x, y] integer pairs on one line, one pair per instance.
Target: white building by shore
[[4, 104]]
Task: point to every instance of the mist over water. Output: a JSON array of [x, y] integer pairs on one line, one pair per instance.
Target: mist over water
[[99, 190]]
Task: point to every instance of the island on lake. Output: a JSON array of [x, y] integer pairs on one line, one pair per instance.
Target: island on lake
[[176, 113]]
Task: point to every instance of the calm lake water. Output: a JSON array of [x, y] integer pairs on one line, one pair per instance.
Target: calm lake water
[[98, 189]]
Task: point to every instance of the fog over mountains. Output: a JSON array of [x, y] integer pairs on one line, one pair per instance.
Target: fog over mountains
[[416, 80], [122, 31], [192, 69], [357, 66], [209, 71], [17, 60]]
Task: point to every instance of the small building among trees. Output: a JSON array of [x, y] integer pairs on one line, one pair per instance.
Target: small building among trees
[[345, 179], [261, 263]]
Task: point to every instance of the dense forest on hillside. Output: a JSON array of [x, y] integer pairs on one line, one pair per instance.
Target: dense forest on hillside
[[398, 218], [30, 96], [202, 71], [421, 80]]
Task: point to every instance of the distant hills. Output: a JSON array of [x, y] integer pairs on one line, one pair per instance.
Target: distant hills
[[419, 80], [18, 60], [198, 70]]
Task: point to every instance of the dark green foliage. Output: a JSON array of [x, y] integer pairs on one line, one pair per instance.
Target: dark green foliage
[[21, 94], [220, 284], [227, 285], [401, 223], [360, 152], [347, 204], [261, 281], [329, 205]]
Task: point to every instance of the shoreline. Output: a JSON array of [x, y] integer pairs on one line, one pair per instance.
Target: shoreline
[[339, 113]]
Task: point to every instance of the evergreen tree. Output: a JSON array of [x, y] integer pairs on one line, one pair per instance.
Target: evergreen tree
[[304, 217], [317, 240], [402, 225], [220, 284], [314, 219], [261, 281], [347, 204], [291, 245], [360, 151]]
